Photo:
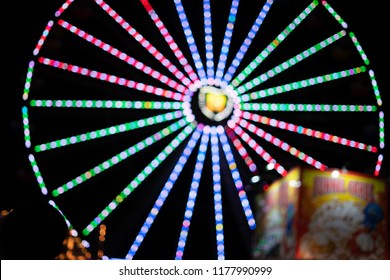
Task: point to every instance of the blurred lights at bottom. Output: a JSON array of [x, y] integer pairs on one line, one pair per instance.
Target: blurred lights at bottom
[[255, 179], [335, 174]]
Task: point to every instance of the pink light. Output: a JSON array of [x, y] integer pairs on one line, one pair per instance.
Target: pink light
[[43, 37], [147, 6], [146, 44], [308, 132], [281, 144], [168, 38], [242, 151], [122, 56], [113, 79], [63, 7], [267, 157]]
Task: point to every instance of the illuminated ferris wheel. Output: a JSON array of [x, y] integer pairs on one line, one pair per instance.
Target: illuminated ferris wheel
[[132, 107]]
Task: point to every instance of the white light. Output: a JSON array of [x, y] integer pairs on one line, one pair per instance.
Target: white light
[[270, 166], [294, 183], [255, 179], [335, 174]]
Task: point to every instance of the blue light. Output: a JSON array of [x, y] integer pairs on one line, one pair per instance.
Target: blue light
[[165, 192], [245, 45], [236, 177], [192, 194], [208, 39], [191, 41], [227, 40], [217, 195]]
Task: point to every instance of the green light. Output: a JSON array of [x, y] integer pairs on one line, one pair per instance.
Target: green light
[[29, 76], [140, 178], [375, 87], [108, 131], [38, 174], [291, 62], [52, 203], [289, 107], [108, 104], [119, 157], [26, 127], [302, 84], [272, 46], [334, 14], [359, 48]]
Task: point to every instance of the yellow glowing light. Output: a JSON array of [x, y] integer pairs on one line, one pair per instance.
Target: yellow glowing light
[[216, 102]]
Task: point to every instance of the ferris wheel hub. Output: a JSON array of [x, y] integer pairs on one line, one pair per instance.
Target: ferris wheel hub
[[215, 103]]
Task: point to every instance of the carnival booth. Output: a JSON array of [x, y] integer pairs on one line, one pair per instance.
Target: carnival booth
[[332, 214]]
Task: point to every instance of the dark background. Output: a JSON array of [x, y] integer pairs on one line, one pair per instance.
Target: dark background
[[24, 25]]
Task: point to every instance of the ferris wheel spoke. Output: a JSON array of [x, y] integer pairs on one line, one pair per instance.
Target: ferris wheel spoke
[[174, 47], [241, 150], [163, 155], [227, 39], [290, 62], [108, 131], [216, 172], [113, 79], [119, 157], [191, 41], [302, 84], [309, 132], [281, 144], [236, 177], [257, 148], [244, 47], [273, 45], [208, 31], [123, 56], [165, 192], [192, 194], [146, 44], [109, 104], [291, 107]]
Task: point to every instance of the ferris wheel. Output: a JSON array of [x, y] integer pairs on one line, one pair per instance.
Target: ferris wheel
[[136, 110]]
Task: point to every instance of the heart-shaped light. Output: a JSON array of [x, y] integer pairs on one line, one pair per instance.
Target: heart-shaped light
[[214, 103]]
